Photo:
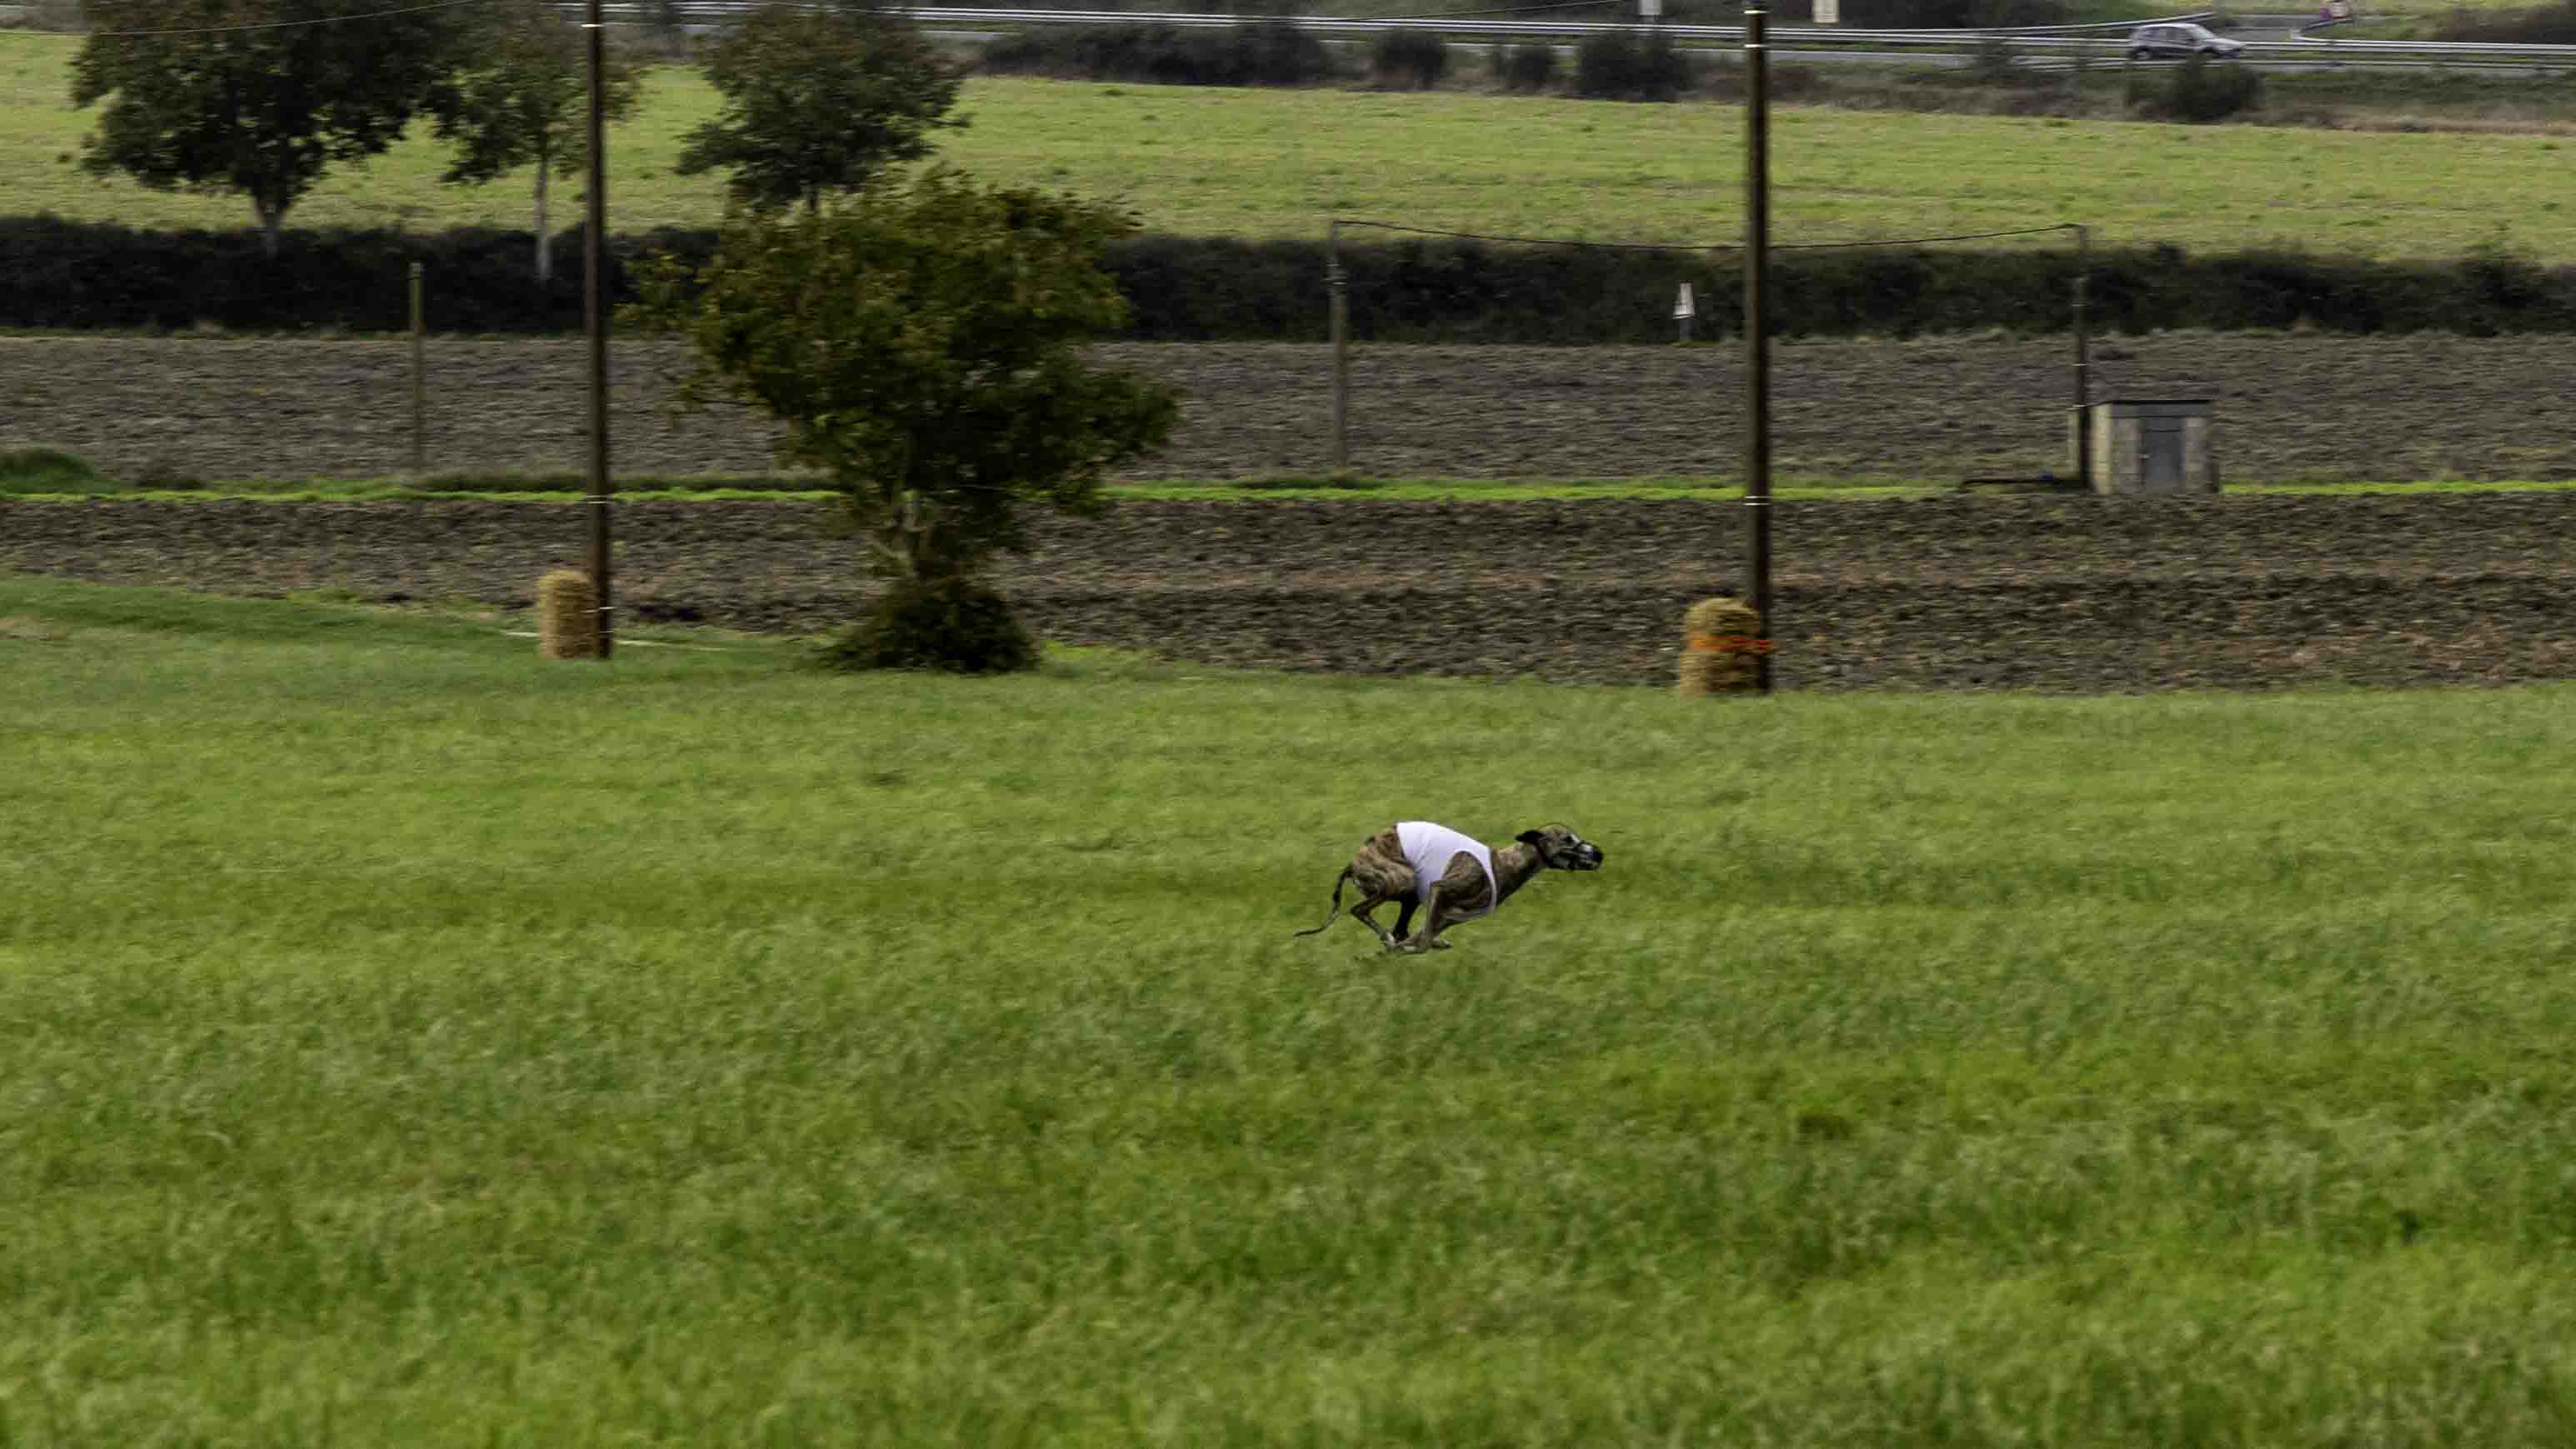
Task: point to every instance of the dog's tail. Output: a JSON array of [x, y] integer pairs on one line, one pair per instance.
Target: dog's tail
[[1336, 912]]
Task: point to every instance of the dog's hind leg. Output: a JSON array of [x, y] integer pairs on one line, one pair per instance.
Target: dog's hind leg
[[1381, 870], [1361, 914]]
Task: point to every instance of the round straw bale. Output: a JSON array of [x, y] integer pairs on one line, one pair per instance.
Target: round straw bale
[[1718, 639], [567, 616]]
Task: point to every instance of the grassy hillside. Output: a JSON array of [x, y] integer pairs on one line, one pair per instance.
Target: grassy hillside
[[413, 1042], [1261, 163]]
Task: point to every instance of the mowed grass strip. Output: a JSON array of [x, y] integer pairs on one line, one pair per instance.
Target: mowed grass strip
[[1256, 163], [412, 1041], [1281, 163], [1319, 488]]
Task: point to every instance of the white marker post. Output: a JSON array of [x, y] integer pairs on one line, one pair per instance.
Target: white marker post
[[1683, 310]]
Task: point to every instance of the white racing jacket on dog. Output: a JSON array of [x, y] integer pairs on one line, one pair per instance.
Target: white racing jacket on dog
[[1429, 848]]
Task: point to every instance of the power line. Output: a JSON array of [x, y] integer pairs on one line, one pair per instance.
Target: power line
[[1551, 241], [284, 24], [1907, 241], [1532, 241]]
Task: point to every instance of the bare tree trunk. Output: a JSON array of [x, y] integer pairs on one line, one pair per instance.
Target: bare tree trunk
[[271, 219], [545, 239]]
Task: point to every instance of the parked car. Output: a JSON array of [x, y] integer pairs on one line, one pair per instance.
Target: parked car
[[2178, 40]]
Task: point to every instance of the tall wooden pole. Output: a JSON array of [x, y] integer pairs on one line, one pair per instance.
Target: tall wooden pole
[[419, 379], [1338, 285], [595, 313], [1757, 335], [2083, 359]]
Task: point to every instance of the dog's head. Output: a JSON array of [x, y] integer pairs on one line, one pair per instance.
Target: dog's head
[[1561, 849]]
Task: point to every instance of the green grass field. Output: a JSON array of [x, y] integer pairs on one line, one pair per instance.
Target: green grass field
[[1267, 163], [413, 1042]]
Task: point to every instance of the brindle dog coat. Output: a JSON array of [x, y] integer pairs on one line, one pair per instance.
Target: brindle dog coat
[[1383, 875]]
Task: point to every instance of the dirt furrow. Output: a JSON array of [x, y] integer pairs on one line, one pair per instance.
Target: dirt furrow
[[1975, 593]]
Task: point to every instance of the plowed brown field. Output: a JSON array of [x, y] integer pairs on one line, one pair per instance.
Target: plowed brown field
[[1976, 592], [2028, 593], [2290, 408]]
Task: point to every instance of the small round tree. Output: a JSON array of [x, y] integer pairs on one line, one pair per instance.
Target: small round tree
[[256, 97], [519, 94], [920, 340], [817, 99]]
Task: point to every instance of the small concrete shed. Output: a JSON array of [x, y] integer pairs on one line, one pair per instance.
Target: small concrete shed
[[2153, 445]]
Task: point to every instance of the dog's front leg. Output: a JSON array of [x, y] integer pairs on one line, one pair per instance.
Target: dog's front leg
[[1435, 920], [1403, 923]]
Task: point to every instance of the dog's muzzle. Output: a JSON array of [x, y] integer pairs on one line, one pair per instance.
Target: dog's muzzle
[[1586, 856]]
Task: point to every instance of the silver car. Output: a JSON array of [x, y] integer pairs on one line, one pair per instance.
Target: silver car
[[2177, 40]]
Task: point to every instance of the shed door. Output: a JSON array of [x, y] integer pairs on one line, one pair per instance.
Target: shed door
[[2160, 455]]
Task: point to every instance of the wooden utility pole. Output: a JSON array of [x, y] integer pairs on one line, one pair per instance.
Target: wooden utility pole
[[1757, 334], [595, 312], [419, 380], [2083, 359], [1338, 285]]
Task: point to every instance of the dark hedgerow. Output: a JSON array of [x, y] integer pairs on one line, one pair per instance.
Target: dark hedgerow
[[1208, 289], [80, 275], [1418, 290], [1249, 53], [74, 276], [2506, 291]]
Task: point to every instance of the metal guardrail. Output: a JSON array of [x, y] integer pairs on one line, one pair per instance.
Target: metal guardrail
[[1340, 25], [2035, 40]]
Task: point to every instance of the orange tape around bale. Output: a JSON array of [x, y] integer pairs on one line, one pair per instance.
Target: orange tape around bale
[[1721, 639], [1727, 644]]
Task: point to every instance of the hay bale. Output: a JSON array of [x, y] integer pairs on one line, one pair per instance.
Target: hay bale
[[1719, 637], [567, 616]]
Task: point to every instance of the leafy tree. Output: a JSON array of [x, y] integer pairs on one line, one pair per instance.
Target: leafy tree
[[667, 22], [919, 340], [521, 96], [258, 97], [818, 100]]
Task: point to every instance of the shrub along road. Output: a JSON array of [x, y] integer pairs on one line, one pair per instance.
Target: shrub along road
[[1953, 593]]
